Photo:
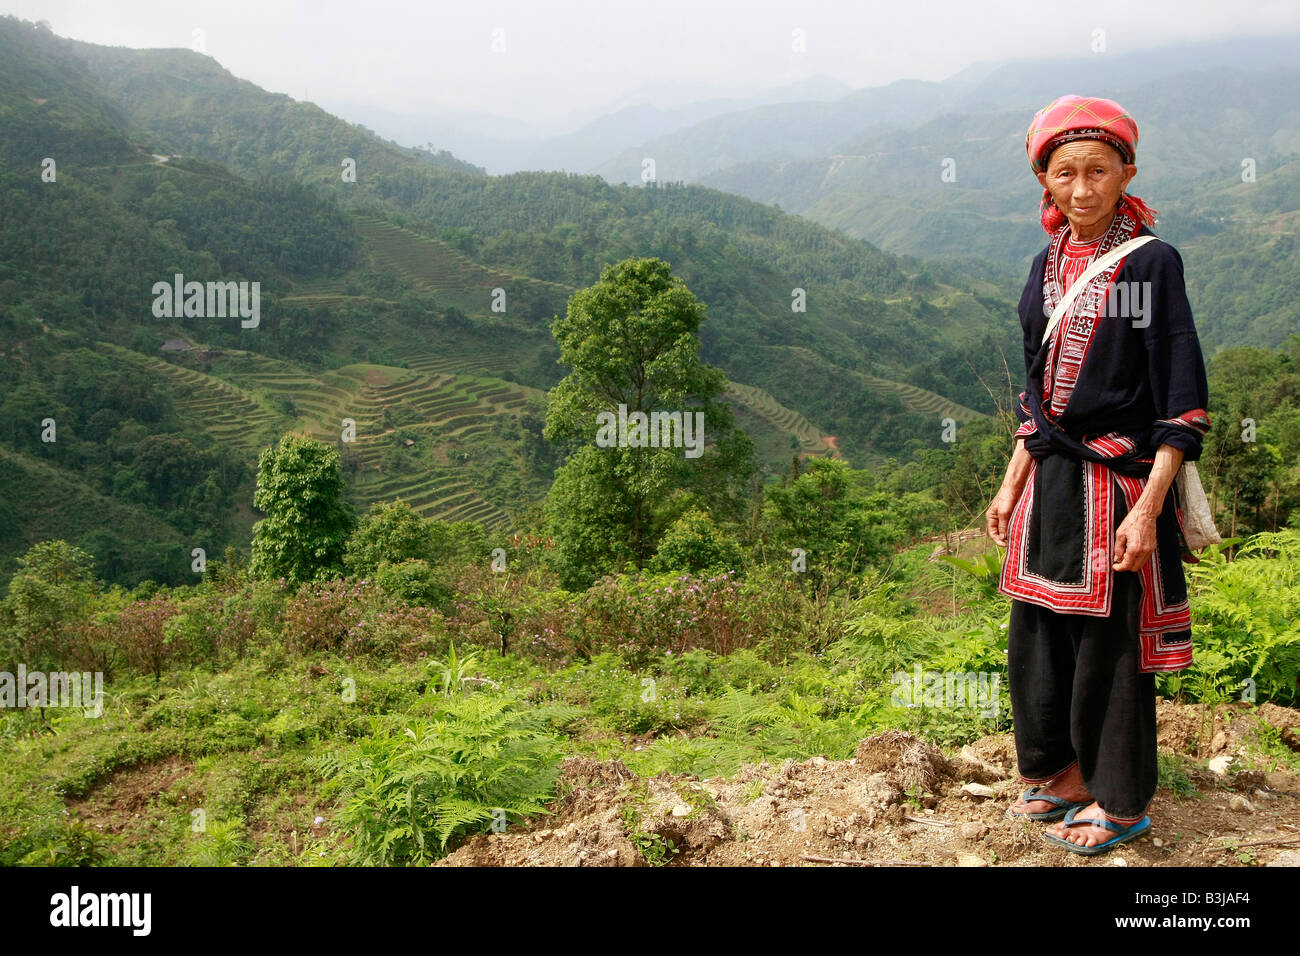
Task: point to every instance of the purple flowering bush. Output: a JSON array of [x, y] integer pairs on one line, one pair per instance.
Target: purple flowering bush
[[637, 616], [356, 617]]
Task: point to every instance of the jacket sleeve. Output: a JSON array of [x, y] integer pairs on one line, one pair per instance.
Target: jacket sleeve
[[1175, 365], [1027, 299]]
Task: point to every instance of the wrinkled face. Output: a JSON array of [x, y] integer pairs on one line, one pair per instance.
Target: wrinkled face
[[1086, 178]]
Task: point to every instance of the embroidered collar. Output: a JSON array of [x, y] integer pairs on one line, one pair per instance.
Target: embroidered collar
[[1121, 229], [1073, 245], [1070, 341]]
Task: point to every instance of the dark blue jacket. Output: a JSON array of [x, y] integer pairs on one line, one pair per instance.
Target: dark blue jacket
[[1136, 381]]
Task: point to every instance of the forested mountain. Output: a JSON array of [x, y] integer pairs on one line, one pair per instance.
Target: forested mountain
[[814, 129], [377, 305], [958, 185], [179, 101], [506, 145]]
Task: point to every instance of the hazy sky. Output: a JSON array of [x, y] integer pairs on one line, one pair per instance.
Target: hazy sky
[[565, 60]]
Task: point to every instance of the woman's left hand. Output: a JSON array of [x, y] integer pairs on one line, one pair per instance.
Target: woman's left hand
[[1135, 540]]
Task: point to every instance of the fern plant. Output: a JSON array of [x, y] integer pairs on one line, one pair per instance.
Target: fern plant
[[882, 643], [221, 844], [413, 789], [739, 714], [1246, 613]]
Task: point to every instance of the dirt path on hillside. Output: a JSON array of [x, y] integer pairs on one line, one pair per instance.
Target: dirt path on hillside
[[901, 801]]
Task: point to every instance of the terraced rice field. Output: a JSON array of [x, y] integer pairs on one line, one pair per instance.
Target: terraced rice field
[[319, 398], [225, 410], [923, 402], [241, 408], [433, 266], [785, 420], [325, 293], [323, 299], [468, 359], [918, 400], [449, 407]]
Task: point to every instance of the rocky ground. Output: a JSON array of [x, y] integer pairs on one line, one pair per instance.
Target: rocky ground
[[903, 802]]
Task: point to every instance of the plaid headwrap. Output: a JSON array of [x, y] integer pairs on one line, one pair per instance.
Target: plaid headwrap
[[1071, 118]]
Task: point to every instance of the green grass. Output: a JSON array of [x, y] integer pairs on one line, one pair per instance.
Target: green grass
[[245, 746], [234, 766]]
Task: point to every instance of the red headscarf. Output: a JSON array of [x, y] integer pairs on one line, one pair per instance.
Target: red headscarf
[[1078, 117]]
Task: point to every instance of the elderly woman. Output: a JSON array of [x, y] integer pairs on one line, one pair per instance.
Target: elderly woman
[[1114, 401]]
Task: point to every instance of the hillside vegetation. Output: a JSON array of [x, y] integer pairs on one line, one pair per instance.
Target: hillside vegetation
[[361, 567], [419, 265]]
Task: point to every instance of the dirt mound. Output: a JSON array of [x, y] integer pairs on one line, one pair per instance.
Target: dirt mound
[[1285, 720], [902, 801], [906, 761], [1203, 732]]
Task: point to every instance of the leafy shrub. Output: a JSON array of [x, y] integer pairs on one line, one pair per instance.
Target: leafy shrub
[[643, 616], [140, 633], [390, 532], [69, 842], [355, 618], [632, 701], [52, 593], [321, 617], [216, 625], [640, 616], [414, 581], [693, 543]]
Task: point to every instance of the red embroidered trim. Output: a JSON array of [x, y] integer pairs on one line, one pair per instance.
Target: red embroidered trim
[[1197, 418], [1067, 350], [1072, 337], [1092, 595]]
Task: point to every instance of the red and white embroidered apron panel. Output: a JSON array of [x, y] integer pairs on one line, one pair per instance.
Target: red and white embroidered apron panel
[[1092, 595]]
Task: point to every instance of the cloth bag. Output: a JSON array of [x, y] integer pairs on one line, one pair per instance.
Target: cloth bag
[[1196, 518]]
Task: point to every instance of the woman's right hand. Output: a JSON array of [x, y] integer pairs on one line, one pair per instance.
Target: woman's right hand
[[999, 513]]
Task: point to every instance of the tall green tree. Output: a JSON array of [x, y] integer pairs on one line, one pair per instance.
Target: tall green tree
[[390, 532], [632, 340], [307, 524], [818, 514], [53, 590]]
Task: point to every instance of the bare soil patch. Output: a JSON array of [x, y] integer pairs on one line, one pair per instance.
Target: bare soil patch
[[903, 801]]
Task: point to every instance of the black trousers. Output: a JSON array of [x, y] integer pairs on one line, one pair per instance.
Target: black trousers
[[1077, 695]]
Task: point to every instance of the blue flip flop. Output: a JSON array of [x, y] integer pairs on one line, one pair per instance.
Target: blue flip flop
[[1063, 806], [1122, 833]]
